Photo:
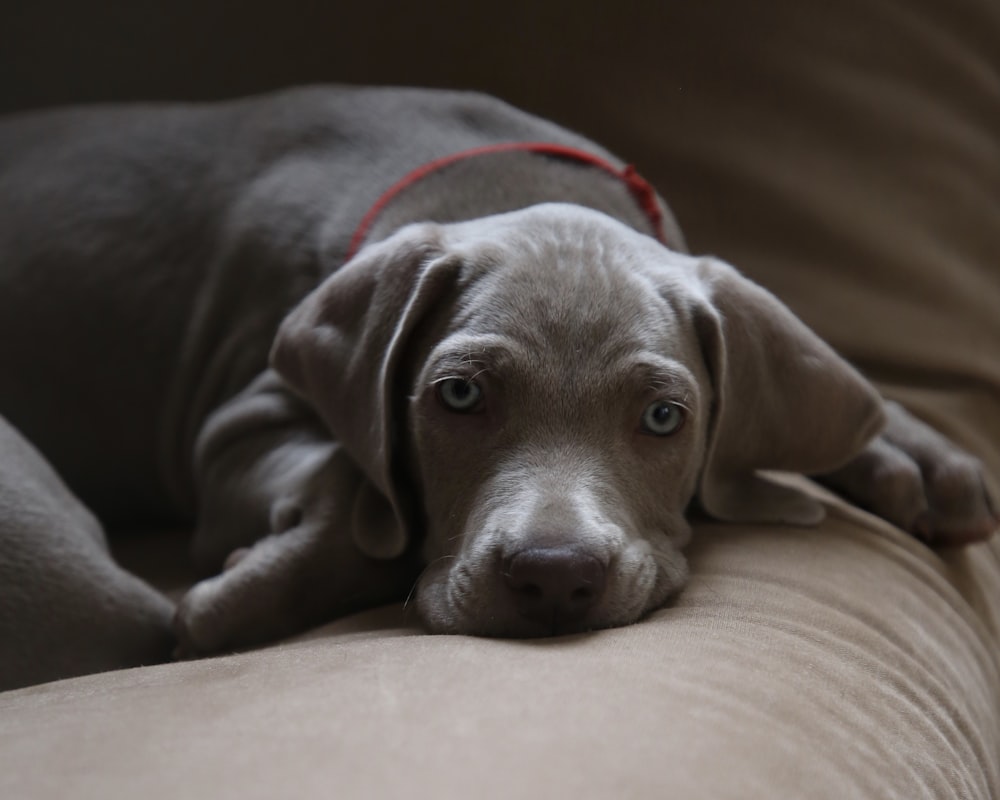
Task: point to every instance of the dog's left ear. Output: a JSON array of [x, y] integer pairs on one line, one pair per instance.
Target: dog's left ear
[[340, 349], [783, 400]]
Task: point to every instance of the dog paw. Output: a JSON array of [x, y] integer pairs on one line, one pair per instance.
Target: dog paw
[[920, 481]]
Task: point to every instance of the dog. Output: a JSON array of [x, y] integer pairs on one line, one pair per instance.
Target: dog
[[377, 341]]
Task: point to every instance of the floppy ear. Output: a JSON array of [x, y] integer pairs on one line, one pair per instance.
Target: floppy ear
[[783, 400], [340, 349]]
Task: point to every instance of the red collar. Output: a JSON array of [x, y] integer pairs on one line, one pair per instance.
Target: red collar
[[644, 194]]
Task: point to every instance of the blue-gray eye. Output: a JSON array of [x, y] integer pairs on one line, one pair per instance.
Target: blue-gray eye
[[663, 418], [459, 394]]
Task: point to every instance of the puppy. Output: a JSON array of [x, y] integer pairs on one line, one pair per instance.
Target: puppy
[[372, 338]]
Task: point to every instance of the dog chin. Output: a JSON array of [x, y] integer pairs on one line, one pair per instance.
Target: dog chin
[[445, 605]]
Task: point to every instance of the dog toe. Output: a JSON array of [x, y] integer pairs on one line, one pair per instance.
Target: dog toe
[[960, 511]]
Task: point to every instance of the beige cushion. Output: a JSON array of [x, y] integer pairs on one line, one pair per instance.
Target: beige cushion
[[847, 155]]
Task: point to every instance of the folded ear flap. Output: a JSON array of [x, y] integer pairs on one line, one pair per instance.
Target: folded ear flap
[[340, 349], [783, 400]]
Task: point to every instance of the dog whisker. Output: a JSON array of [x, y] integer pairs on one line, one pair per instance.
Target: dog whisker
[[416, 583]]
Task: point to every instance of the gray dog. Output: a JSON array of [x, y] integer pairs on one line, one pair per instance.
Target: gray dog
[[372, 339]]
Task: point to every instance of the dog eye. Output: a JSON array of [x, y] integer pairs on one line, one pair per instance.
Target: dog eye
[[663, 418], [459, 394]]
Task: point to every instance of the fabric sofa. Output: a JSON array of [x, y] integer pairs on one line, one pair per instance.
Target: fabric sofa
[[845, 155]]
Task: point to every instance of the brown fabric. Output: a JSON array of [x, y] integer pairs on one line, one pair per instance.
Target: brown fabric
[[847, 155]]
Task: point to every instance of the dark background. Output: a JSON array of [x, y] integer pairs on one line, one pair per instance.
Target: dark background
[[59, 52]]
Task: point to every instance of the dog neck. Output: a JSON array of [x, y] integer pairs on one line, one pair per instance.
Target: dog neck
[[510, 176]]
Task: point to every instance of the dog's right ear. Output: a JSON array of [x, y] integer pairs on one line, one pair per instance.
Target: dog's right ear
[[340, 350]]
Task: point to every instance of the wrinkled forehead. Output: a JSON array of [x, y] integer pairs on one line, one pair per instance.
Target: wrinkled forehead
[[570, 288], [568, 278]]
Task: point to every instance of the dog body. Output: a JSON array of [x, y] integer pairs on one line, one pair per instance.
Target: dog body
[[512, 383]]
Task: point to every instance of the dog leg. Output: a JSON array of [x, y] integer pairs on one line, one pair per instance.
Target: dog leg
[[914, 477], [66, 608], [277, 495]]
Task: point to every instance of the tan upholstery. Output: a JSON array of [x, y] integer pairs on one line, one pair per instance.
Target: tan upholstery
[[848, 156]]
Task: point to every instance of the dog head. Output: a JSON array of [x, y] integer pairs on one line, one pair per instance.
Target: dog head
[[543, 393]]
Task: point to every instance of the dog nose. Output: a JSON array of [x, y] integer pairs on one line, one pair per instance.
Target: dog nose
[[554, 585]]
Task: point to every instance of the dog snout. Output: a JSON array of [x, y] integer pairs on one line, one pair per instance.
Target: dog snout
[[554, 586]]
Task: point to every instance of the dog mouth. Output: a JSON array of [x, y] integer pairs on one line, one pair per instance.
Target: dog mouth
[[540, 592], [536, 628]]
